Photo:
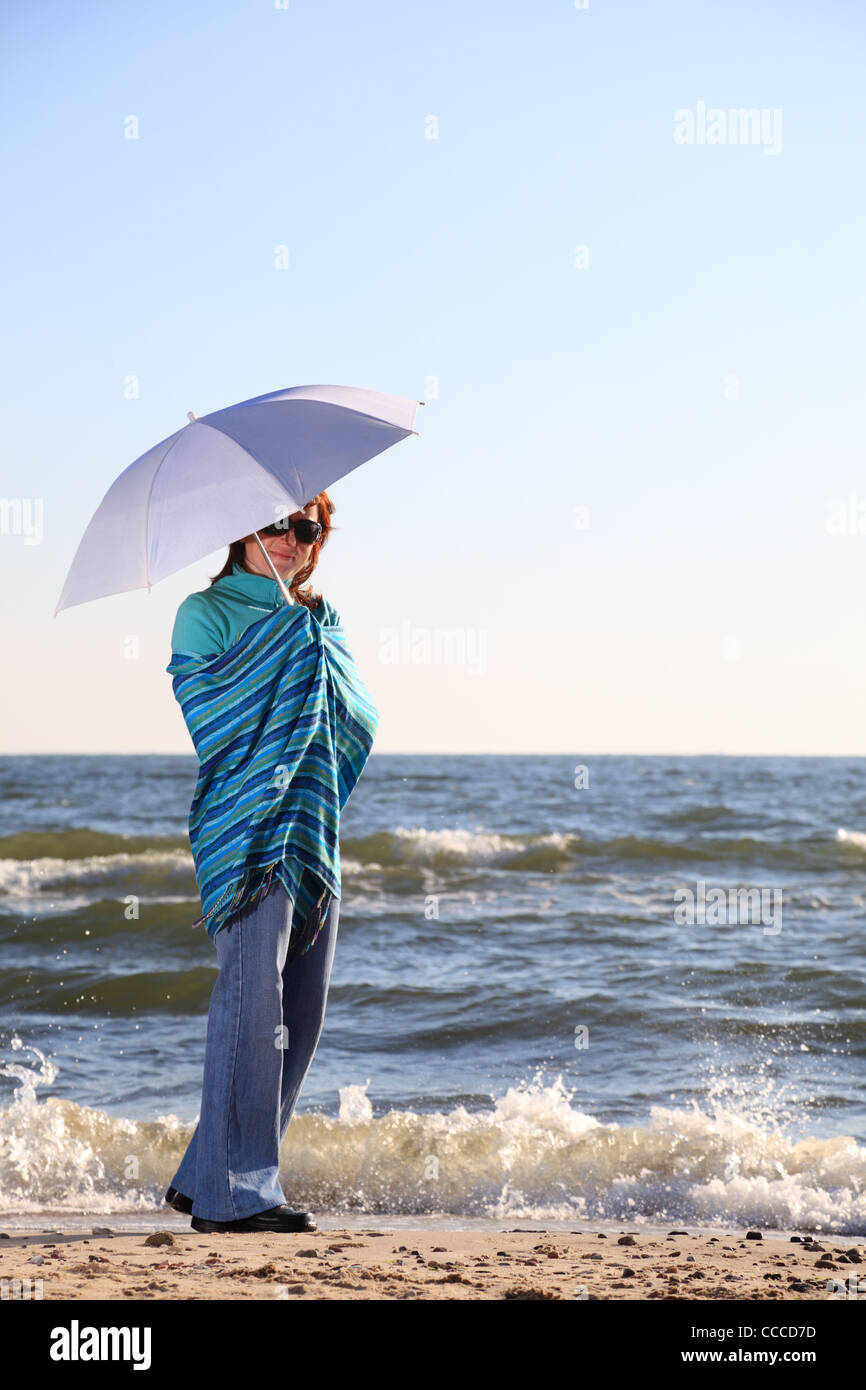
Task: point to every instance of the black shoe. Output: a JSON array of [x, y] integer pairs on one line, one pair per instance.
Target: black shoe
[[178, 1201], [274, 1219]]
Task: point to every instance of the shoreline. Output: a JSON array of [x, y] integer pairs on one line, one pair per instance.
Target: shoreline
[[387, 1261], [66, 1221]]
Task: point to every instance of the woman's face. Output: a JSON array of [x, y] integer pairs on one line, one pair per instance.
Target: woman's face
[[286, 551]]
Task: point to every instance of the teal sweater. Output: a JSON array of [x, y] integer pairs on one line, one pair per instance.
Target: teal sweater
[[211, 620]]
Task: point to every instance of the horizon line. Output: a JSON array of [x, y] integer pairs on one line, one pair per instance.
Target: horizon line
[[435, 753]]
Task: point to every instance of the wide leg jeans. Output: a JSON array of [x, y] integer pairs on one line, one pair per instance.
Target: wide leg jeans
[[264, 1023]]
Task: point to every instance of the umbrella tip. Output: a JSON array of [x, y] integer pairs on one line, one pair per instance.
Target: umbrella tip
[[190, 416]]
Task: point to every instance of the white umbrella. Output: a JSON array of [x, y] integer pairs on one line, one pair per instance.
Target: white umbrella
[[225, 475]]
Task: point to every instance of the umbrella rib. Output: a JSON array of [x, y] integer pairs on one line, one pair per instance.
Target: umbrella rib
[[156, 470], [365, 415], [176, 440], [243, 448]]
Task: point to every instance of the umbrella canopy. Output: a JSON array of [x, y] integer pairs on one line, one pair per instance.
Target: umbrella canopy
[[225, 475]]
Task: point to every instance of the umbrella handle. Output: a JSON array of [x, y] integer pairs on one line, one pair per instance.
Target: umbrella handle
[[286, 595]]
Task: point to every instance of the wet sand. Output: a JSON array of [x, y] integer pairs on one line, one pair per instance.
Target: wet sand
[[378, 1263]]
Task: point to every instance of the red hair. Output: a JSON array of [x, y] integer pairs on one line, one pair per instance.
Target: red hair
[[237, 555]]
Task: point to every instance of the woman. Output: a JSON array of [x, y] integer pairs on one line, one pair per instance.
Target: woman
[[283, 726]]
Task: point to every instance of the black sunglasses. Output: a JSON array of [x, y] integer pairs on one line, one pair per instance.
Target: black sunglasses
[[306, 531]]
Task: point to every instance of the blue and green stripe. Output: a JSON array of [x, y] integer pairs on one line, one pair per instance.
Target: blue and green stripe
[[283, 726]]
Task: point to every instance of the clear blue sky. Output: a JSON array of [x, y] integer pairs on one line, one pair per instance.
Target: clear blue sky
[[706, 607]]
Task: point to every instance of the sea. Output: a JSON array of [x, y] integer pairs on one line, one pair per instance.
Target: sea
[[569, 992]]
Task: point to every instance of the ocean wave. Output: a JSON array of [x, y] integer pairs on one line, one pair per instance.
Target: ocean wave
[[22, 878], [458, 847], [82, 843], [87, 866], [553, 851], [531, 1156]]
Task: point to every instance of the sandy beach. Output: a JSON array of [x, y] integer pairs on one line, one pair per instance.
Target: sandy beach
[[377, 1263]]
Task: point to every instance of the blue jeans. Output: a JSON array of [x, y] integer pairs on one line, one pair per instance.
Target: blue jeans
[[264, 1023]]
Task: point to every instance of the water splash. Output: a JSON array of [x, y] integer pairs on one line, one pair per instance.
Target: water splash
[[533, 1154]]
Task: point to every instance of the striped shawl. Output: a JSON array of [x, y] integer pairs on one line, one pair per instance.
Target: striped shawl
[[282, 725]]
